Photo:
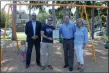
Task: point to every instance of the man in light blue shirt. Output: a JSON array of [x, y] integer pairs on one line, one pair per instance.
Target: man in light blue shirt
[[67, 31]]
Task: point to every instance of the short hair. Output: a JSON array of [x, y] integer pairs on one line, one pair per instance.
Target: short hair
[[83, 21], [65, 15], [50, 17]]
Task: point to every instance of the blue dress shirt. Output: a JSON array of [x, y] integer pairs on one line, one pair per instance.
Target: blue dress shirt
[[67, 30]]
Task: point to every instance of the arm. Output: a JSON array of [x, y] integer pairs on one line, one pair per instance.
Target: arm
[[60, 31], [40, 29], [39, 33], [85, 36], [60, 34], [74, 29], [26, 28], [42, 34]]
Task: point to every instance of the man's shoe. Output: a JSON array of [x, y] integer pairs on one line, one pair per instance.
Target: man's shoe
[[70, 69], [65, 66], [50, 66], [43, 67], [82, 70], [27, 66], [78, 68], [39, 65]]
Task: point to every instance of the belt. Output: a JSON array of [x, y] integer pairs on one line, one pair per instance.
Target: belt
[[69, 39]]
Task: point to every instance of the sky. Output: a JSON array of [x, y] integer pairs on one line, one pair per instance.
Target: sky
[[24, 8], [3, 4]]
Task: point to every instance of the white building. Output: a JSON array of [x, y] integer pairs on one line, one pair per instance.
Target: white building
[[22, 17]]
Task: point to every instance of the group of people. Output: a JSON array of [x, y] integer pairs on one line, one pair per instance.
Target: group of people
[[75, 38]]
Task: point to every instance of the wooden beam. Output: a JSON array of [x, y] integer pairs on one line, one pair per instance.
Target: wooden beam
[[74, 5]]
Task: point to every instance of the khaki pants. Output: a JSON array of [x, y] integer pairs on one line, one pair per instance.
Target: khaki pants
[[46, 53]]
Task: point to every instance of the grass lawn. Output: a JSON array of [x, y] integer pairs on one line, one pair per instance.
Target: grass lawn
[[20, 36]]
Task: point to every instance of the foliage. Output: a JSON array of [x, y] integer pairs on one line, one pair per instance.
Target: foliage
[[3, 15], [42, 15]]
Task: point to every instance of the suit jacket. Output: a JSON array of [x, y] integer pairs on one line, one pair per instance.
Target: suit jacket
[[29, 31]]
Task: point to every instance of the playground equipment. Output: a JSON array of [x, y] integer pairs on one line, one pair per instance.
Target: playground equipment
[[74, 5], [106, 45], [89, 29], [106, 42], [1, 50]]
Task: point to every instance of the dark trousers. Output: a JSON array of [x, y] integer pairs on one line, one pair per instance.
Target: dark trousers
[[29, 50], [68, 46]]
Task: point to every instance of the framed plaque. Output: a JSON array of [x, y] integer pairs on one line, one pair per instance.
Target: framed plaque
[[55, 34]]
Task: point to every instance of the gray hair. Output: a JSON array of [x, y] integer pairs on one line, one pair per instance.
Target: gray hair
[[33, 13], [84, 23]]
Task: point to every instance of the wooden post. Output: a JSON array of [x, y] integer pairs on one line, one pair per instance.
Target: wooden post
[[108, 20], [77, 11], [14, 29], [92, 45], [6, 23], [53, 14], [14, 13], [1, 50]]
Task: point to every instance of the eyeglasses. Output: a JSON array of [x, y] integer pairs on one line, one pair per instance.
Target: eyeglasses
[[49, 20], [33, 15]]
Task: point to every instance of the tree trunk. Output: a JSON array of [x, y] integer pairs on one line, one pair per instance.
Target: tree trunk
[[92, 22], [69, 12], [14, 13], [65, 10], [108, 20], [77, 10], [53, 14], [29, 12], [77, 13]]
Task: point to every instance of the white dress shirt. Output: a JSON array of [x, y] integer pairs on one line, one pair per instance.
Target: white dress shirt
[[34, 27]]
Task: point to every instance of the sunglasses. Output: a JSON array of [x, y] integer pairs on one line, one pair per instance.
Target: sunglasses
[[49, 20], [33, 15]]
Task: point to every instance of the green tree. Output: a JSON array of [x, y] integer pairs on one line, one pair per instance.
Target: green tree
[[3, 15], [42, 16], [41, 8]]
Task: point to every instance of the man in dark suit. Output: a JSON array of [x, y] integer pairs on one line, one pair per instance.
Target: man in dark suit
[[32, 30]]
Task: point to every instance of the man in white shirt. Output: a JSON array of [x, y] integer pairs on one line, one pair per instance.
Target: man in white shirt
[[33, 30]]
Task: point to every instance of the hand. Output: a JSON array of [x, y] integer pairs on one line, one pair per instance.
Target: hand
[[34, 37], [84, 46], [50, 39]]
